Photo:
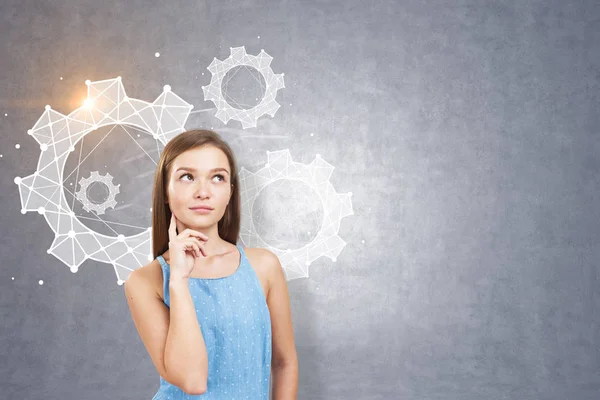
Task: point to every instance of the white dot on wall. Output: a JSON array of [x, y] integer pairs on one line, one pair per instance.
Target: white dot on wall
[[312, 134], [17, 146], [61, 78], [150, 209], [157, 54], [258, 37], [362, 241], [41, 282], [13, 278], [1, 155], [5, 114]]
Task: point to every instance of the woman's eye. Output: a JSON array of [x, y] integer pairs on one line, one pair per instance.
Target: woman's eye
[[190, 175], [221, 176]]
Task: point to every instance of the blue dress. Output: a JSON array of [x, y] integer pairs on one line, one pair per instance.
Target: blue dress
[[236, 325]]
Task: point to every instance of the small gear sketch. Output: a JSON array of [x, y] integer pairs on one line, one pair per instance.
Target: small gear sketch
[[106, 104], [239, 57], [316, 175], [88, 205]]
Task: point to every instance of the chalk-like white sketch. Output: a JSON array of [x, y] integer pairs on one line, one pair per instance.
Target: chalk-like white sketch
[[316, 175], [106, 180], [267, 105], [106, 104]]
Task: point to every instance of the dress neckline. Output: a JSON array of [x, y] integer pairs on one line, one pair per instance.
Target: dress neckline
[[162, 260]]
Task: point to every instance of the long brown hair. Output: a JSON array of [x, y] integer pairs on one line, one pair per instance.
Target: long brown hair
[[228, 226]]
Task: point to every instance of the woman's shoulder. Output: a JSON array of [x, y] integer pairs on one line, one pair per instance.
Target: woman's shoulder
[[263, 261], [148, 278]]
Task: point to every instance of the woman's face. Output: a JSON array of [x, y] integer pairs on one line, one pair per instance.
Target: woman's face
[[199, 177]]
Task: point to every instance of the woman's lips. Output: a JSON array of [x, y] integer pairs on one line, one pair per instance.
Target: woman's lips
[[201, 210]]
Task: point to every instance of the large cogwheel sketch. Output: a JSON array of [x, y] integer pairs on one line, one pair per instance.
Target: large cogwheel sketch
[[106, 104], [267, 105], [335, 206]]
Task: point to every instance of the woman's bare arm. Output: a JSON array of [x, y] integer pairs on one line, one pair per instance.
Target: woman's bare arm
[[172, 336]]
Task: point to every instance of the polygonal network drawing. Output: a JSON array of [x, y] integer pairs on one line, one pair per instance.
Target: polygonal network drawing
[[316, 175], [106, 104], [267, 105], [88, 205]]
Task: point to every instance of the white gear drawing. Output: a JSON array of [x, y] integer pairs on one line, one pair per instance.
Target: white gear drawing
[[89, 205], [335, 206], [239, 57], [57, 134]]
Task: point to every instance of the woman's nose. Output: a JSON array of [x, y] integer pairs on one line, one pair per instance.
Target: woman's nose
[[202, 189]]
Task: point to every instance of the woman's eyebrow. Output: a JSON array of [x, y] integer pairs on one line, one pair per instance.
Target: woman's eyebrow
[[194, 169]]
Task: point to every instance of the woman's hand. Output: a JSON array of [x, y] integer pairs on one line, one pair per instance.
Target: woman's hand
[[184, 249]]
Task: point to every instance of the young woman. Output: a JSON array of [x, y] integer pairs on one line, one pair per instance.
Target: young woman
[[214, 317]]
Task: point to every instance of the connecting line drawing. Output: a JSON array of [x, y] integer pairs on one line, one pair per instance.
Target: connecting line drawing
[[327, 242], [238, 57], [57, 134]]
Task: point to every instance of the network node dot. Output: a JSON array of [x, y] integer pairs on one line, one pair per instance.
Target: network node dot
[[157, 54], [47, 107], [41, 282], [129, 250], [74, 269], [41, 210], [71, 148], [121, 238], [17, 180], [17, 146], [120, 282], [71, 214], [23, 211], [44, 147], [30, 131], [71, 233], [88, 82], [167, 88]]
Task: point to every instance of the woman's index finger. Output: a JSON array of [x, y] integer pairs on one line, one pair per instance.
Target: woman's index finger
[[172, 228]]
